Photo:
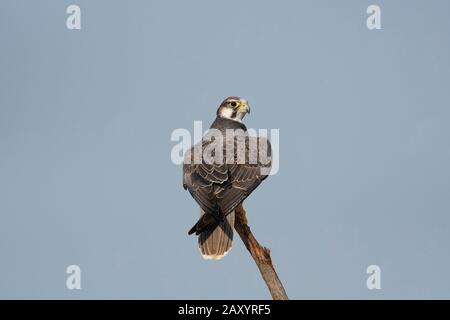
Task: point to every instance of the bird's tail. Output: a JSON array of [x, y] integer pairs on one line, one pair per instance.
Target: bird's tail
[[216, 241]]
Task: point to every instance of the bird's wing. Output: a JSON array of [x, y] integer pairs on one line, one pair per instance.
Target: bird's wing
[[201, 180], [245, 177], [219, 188]]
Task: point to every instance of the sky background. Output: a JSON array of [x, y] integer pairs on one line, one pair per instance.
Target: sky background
[[86, 118]]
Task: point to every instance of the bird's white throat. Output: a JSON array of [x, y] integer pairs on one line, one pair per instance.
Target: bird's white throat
[[228, 114]]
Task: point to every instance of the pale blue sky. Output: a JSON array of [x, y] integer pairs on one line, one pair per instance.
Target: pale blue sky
[[85, 124]]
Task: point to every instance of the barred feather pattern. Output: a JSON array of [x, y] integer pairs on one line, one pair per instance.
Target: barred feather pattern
[[214, 244]]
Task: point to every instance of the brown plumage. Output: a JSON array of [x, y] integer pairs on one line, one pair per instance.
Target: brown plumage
[[219, 187]]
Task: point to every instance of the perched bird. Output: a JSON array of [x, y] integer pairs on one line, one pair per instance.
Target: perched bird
[[220, 186]]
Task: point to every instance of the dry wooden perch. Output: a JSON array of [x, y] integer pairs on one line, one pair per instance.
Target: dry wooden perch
[[260, 254]]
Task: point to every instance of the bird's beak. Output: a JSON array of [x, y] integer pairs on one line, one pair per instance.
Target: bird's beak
[[244, 107]]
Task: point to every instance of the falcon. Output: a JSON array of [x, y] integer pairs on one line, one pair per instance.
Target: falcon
[[221, 184]]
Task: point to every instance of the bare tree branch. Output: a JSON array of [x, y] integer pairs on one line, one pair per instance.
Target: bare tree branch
[[260, 254]]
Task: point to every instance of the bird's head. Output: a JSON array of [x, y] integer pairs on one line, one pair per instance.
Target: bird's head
[[233, 108]]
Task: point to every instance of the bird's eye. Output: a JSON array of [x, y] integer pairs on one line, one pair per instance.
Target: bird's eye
[[233, 104]]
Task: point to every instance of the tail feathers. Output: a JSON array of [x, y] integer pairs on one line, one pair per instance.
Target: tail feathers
[[215, 242]]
